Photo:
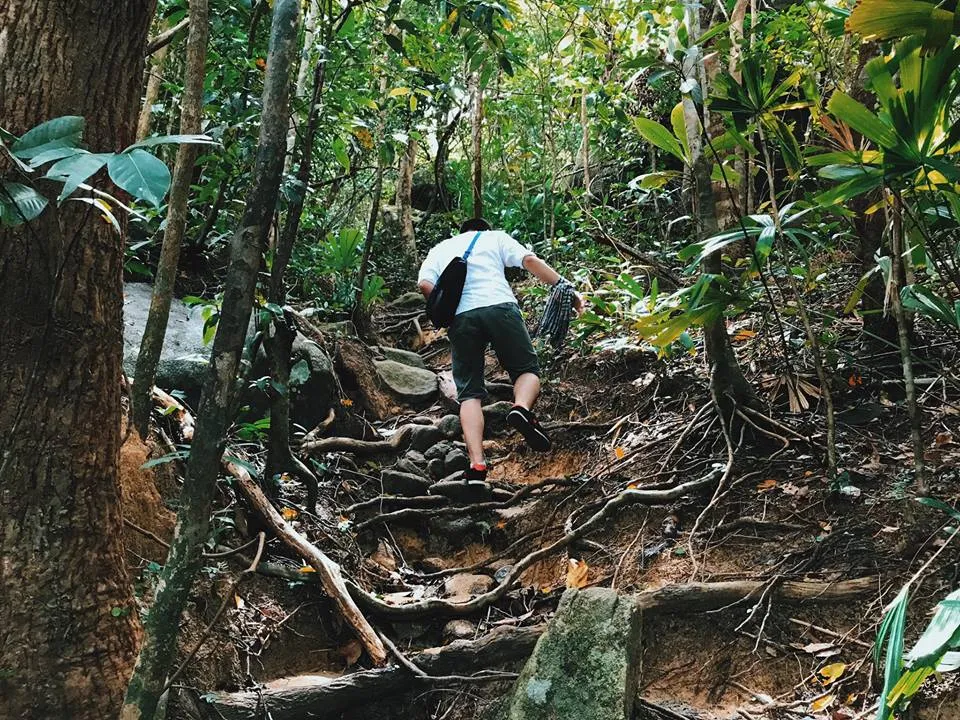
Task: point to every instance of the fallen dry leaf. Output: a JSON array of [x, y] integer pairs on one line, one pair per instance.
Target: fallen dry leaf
[[831, 673], [766, 485], [577, 571], [307, 569], [351, 652], [944, 438], [289, 513], [619, 453], [814, 648], [822, 703], [238, 601]]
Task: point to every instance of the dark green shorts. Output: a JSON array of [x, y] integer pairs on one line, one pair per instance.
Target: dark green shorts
[[500, 325]]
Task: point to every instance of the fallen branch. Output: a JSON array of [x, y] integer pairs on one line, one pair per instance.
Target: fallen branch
[[318, 696], [324, 697], [327, 569], [360, 447]]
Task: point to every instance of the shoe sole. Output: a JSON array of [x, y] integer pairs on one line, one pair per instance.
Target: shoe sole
[[534, 437]]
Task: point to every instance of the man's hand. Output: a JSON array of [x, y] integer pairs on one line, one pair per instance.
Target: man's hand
[[426, 287], [578, 306]]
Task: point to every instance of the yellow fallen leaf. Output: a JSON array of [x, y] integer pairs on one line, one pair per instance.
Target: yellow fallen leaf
[[307, 569], [822, 703], [619, 453], [238, 601], [346, 402], [577, 571], [743, 335], [767, 485], [831, 673], [289, 513]]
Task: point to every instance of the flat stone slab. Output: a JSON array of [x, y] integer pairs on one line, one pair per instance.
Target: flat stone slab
[[410, 384], [585, 666]]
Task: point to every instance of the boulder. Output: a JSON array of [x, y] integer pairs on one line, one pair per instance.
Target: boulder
[[424, 437], [450, 426], [404, 357], [468, 493], [456, 530], [495, 415], [412, 300], [411, 468], [463, 586], [438, 450], [184, 358], [397, 482], [585, 666], [455, 461], [313, 397], [416, 458], [412, 385], [435, 468]]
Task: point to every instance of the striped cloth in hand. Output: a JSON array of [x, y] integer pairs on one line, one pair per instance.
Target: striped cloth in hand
[[557, 314]]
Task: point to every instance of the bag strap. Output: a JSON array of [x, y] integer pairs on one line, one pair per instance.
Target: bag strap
[[472, 243]]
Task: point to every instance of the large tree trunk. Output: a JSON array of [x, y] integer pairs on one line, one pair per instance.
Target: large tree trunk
[[216, 401], [191, 111], [68, 623]]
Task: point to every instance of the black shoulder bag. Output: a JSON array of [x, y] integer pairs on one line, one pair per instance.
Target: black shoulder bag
[[445, 296]]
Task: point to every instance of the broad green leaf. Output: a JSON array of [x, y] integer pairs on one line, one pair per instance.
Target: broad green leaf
[[868, 181], [76, 169], [857, 116], [765, 242], [925, 301], [886, 19], [52, 155], [656, 134], [890, 635], [57, 133], [140, 174], [679, 123], [19, 204], [340, 153]]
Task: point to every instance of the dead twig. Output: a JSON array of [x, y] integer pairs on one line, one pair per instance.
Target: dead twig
[[261, 541]]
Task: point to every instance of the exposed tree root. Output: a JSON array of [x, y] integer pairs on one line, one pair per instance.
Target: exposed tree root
[[360, 447], [326, 568], [324, 697]]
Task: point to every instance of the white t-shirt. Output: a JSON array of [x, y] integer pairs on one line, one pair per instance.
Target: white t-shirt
[[485, 284]]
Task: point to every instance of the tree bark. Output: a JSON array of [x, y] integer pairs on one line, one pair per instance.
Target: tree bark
[[477, 145], [68, 623], [408, 238], [191, 113], [729, 378], [216, 401]]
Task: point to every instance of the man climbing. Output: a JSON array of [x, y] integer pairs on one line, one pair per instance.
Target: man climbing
[[488, 313]]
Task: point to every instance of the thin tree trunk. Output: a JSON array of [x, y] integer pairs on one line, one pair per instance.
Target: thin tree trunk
[[903, 335], [729, 377], [303, 71], [216, 401], [154, 81], [408, 238], [585, 147], [191, 113], [477, 145], [68, 620]]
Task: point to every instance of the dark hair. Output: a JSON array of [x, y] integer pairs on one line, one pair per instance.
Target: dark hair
[[474, 225]]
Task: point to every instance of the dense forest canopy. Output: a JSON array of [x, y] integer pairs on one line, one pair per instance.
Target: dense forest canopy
[[759, 201]]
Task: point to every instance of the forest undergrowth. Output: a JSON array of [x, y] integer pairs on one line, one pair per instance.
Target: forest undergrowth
[[648, 487]]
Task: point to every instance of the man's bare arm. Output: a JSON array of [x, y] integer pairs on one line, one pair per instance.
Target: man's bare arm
[[426, 287]]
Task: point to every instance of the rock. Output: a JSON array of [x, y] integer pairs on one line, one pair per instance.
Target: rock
[[184, 358], [409, 467], [410, 384], [416, 458], [341, 328], [384, 556], [438, 450], [424, 437], [495, 415], [459, 630], [397, 482], [435, 468], [314, 397], [456, 530], [432, 564], [404, 357], [409, 300], [585, 666], [464, 585], [455, 461], [450, 426], [502, 573], [468, 493]]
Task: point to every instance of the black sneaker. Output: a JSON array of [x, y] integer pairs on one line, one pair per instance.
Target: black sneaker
[[475, 474], [526, 423]]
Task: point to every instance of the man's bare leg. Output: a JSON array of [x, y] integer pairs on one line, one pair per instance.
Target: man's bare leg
[[526, 390], [471, 418]]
